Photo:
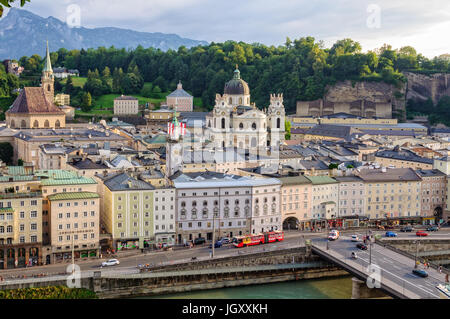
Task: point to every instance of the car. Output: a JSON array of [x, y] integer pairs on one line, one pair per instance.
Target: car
[[432, 228], [355, 238], [361, 246], [421, 233], [225, 240], [199, 241], [406, 229], [218, 244], [420, 272], [380, 227], [391, 234], [110, 262]]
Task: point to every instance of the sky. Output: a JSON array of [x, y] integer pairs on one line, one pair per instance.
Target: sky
[[422, 24]]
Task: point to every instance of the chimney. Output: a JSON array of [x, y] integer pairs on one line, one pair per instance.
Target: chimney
[[129, 184]]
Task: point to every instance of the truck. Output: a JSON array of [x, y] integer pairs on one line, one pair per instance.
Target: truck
[[333, 235]]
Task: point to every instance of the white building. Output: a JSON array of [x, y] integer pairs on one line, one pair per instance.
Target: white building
[[235, 122], [164, 215], [228, 205], [126, 105]]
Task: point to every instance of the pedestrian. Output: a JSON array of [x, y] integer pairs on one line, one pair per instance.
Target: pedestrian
[[440, 269]]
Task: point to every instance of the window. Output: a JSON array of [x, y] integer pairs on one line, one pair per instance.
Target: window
[[33, 226], [33, 214]]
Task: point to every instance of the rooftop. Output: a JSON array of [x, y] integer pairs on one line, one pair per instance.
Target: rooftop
[[319, 180], [72, 195], [389, 175]]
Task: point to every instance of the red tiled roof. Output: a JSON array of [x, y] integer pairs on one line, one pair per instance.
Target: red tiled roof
[[33, 100]]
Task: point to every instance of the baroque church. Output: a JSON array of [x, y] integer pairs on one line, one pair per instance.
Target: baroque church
[[235, 122], [34, 107]]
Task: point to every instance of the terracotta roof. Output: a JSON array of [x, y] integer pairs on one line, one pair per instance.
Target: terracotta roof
[[33, 100]]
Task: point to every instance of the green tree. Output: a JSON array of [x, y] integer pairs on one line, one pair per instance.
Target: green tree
[[20, 162], [287, 127], [86, 104], [7, 4], [6, 153]]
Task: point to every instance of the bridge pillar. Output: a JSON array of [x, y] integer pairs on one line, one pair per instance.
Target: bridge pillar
[[361, 291]]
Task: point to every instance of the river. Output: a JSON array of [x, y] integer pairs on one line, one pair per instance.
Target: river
[[331, 288]]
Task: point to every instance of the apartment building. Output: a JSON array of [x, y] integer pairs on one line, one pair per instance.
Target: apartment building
[[74, 225], [351, 196], [126, 105], [325, 200], [296, 194]]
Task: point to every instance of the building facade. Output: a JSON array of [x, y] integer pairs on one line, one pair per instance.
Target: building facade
[[180, 100], [126, 105], [296, 193]]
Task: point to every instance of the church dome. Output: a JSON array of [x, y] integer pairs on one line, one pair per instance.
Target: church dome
[[236, 86]]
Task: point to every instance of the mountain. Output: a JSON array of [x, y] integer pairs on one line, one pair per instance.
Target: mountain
[[24, 33]]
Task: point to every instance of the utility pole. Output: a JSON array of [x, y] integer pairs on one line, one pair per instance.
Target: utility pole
[[73, 254]]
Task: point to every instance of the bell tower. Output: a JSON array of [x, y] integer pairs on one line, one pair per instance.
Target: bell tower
[[47, 78]]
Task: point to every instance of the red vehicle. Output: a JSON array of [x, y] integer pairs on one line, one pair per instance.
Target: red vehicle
[[421, 233], [263, 238]]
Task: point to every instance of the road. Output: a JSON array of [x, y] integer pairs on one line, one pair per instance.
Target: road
[[394, 267], [128, 264]]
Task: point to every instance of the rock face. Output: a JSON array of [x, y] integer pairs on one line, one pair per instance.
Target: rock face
[[23, 33], [421, 86], [366, 99]]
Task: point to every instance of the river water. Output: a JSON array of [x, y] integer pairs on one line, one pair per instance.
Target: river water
[[334, 288]]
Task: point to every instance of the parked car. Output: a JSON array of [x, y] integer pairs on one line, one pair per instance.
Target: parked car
[[110, 262], [361, 246], [355, 238], [420, 272], [421, 233], [199, 241], [391, 234], [217, 244], [406, 229], [432, 228]]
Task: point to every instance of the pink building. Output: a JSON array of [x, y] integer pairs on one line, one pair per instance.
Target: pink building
[[183, 101], [433, 189]]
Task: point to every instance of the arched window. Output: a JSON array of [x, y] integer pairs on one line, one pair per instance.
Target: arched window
[[46, 124], [57, 124], [194, 203], [49, 88], [229, 101], [223, 122], [36, 124], [240, 101], [13, 124], [254, 126], [241, 126], [23, 124], [278, 123]]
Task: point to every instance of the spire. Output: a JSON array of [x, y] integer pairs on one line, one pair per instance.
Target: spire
[[237, 73], [48, 63]]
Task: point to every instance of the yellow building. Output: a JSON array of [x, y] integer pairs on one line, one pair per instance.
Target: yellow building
[[62, 99], [392, 193]]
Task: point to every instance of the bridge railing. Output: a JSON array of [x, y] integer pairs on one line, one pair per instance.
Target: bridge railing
[[362, 270], [409, 255]]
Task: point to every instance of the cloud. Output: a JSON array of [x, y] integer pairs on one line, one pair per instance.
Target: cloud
[[421, 24]]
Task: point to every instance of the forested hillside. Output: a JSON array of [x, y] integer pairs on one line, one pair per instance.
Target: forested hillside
[[301, 69]]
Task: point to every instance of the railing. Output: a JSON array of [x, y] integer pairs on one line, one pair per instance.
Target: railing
[[404, 289]]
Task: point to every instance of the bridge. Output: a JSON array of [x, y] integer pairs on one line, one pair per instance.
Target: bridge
[[387, 269]]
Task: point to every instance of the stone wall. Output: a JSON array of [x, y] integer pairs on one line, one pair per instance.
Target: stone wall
[[367, 99]]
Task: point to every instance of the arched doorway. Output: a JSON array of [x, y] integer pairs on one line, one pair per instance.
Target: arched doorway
[[290, 223], [57, 124], [12, 124], [437, 214], [46, 124], [35, 124], [23, 124]]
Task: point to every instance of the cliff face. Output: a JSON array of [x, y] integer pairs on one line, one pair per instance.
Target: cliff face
[[360, 98], [421, 86]]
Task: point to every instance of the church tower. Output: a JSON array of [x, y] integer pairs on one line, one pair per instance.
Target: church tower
[[47, 79], [276, 116]]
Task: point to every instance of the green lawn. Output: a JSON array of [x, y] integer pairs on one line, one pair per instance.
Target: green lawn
[[77, 81], [107, 101]]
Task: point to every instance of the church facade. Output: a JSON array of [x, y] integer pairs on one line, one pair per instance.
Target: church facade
[[35, 107], [234, 122]]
